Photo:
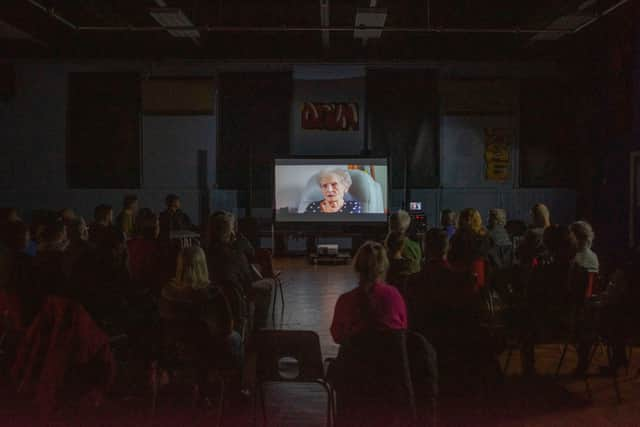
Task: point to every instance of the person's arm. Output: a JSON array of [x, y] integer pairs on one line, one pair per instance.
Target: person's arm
[[340, 321]]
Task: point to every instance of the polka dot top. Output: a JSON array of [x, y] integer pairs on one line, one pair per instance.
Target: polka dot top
[[349, 207]]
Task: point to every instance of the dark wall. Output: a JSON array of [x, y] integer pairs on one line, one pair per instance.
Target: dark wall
[[254, 127], [402, 120]]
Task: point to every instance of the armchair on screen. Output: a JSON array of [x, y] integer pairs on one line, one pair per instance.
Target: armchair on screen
[[363, 189]]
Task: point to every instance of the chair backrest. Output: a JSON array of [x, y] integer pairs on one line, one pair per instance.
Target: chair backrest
[[423, 362], [274, 345], [373, 373], [363, 189]]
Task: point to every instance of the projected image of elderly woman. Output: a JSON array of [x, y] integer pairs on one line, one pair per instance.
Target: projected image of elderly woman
[[334, 184]]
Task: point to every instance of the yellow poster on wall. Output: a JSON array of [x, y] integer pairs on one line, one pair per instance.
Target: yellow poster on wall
[[497, 154]]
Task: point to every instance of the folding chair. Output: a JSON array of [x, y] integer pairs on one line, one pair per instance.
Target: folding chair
[[304, 346]]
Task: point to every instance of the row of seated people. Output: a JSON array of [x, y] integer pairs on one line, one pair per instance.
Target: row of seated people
[[443, 295], [135, 285]]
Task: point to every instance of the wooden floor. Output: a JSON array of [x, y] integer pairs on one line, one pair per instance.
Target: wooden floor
[[310, 295]]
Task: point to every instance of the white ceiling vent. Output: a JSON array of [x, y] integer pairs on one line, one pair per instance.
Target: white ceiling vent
[[175, 18], [369, 18]]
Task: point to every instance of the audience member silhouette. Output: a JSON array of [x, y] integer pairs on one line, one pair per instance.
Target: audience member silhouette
[[373, 305]]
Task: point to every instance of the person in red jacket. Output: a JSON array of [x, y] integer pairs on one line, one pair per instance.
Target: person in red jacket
[[373, 304]]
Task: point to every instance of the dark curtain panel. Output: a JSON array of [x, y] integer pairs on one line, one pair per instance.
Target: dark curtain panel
[[403, 124], [254, 128], [547, 134], [103, 130]]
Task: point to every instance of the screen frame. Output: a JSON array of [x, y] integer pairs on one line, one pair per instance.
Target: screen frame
[[337, 224]]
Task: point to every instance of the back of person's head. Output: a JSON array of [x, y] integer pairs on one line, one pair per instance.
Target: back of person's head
[[540, 216], [583, 234], [560, 243], [471, 220], [8, 215], [129, 202], [53, 231], [371, 262], [221, 227], [394, 243], [67, 214], [77, 230], [171, 200], [16, 236], [399, 221], [447, 218], [147, 224], [436, 243], [497, 217], [191, 268], [103, 214]]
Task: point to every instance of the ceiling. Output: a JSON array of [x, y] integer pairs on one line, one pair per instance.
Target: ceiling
[[291, 30]]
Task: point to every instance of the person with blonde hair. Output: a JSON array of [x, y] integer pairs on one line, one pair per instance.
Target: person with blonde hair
[[191, 296], [469, 247], [585, 257], [373, 305], [532, 246], [399, 222], [334, 184]]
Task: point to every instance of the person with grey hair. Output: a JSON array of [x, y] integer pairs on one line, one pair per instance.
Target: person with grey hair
[[585, 257], [495, 224], [334, 184], [399, 223]]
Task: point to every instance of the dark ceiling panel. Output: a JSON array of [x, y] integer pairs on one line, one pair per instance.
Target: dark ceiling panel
[[292, 45]]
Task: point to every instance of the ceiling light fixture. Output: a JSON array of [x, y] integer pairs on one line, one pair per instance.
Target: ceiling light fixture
[[176, 22], [369, 23]]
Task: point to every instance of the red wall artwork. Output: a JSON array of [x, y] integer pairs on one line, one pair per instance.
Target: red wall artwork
[[330, 116]]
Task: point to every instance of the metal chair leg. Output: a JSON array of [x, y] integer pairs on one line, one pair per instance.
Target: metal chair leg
[[508, 361], [613, 370], [564, 353], [263, 405], [221, 403]]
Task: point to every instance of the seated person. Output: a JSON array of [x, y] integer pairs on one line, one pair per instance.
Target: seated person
[[399, 222], [149, 264], [399, 266], [548, 304], [470, 245], [67, 214], [448, 220], [126, 220], [16, 276], [532, 245], [437, 291], [500, 254], [231, 270], [102, 226], [496, 227], [190, 296], [79, 247], [173, 218], [334, 184], [373, 304], [585, 257]]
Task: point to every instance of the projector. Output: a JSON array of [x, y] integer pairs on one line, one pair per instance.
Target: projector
[[327, 249]]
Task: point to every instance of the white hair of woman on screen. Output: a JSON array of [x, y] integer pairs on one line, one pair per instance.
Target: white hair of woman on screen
[[334, 185]]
